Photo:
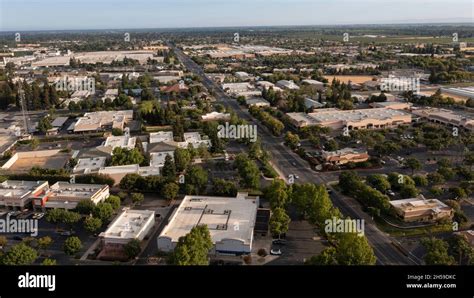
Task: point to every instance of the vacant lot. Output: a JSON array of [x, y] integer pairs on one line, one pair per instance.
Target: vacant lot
[[57, 161], [353, 79]]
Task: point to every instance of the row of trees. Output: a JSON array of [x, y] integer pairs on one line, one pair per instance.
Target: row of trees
[[273, 124], [312, 201]]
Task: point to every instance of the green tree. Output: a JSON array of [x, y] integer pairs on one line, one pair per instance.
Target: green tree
[[326, 257], [44, 124], [132, 248], [20, 254], [197, 177], [436, 252], [85, 206], [193, 249], [169, 169], [170, 191], [92, 224], [182, 158], [44, 242], [221, 187], [379, 182], [72, 245], [103, 211], [124, 156], [137, 198], [48, 262], [413, 164], [277, 194], [114, 201], [353, 249], [279, 221]]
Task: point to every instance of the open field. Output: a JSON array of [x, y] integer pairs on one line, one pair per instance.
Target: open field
[[353, 79]]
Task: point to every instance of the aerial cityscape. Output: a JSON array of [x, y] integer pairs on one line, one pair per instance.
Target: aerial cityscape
[[256, 144]]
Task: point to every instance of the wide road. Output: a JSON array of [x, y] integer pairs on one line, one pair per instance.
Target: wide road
[[289, 162]]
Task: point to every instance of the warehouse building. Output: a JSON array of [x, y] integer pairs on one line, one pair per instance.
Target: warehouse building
[[230, 220]]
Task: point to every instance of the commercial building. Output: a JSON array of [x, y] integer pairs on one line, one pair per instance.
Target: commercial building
[[285, 84], [124, 141], [230, 220], [15, 194], [317, 84], [459, 119], [257, 102], [335, 119], [97, 121], [421, 209], [89, 165], [66, 195], [195, 139], [161, 136], [215, 116], [129, 225], [311, 103], [344, 156], [232, 88]]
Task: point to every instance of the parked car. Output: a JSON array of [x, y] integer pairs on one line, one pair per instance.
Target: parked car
[[275, 252], [391, 193], [279, 241], [67, 233]]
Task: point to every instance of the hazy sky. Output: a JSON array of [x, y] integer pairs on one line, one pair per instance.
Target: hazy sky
[[121, 14]]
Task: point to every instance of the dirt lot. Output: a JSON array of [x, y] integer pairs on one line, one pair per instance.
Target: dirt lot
[[52, 162], [353, 79]]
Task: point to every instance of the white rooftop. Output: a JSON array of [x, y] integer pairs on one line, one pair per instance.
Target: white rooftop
[[129, 224], [161, 136], [226, 217]]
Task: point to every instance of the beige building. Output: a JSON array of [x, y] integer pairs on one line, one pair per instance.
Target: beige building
[[343, 156], [335, 119], [447, 117], [421, 209], [97, 121]]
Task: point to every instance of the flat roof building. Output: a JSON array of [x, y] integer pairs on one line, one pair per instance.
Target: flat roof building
[[16, 194], [96, 121], [161, 136], [66, 195], [129, 225], [421, 209], [377, 118], [124, 141], [285, 84], [447, 117], [230, 220], [344, 156], [89, 165], [257, 102]]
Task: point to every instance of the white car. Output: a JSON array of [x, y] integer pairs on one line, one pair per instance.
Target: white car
[[275, 252], [391, 193]]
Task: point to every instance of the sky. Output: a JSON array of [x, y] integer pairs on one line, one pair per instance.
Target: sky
[[134, 14]]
